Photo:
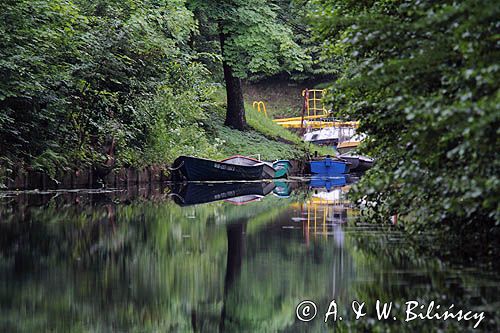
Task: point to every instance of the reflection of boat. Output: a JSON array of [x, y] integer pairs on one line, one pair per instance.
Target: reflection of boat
[[282, 189], [244, 199], [200, 169], [269, 171], [357, 162], [328, 182], [326, 197], [335, 196], [328, 167], [237, 193]]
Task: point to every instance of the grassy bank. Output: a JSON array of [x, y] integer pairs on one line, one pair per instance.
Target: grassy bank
[[264, 137], [170, 124]]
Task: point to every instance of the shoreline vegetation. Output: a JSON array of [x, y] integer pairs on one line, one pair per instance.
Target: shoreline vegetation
[[199, 136], [135, 83]]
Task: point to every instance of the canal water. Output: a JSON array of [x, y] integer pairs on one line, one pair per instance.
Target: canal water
[[235, 257]]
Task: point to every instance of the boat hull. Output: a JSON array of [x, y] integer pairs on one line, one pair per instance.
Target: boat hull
[[200, 169], [282, 168], [328, 167], [365, 164], [352, 160], [268, 170], [358, 163]]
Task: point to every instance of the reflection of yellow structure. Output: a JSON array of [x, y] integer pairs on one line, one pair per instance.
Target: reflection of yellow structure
[[322, 201], [323, 211], [261, 107]]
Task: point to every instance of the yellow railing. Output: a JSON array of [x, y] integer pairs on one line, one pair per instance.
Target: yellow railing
[[314, 104], [260, 106], [297, 123]]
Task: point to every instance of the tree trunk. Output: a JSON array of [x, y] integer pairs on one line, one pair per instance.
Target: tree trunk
[[235, 113]]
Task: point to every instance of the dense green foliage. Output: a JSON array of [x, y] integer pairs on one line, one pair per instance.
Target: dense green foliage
[[316, 67], [251, 40], [73, 73], [423, 79], [258, 42], [124, 82]]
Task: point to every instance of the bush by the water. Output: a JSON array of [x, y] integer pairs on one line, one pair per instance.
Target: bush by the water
[[423, 79]]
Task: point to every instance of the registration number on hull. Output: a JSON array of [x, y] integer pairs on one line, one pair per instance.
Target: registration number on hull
[[224, 167]]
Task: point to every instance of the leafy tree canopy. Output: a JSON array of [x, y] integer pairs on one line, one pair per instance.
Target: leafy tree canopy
[[257, 41], [423, 79]]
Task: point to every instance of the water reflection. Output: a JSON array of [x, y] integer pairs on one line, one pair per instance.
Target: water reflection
[[138, 261], [238, 193]]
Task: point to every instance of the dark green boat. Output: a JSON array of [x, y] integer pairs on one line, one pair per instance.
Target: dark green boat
[[282, 168], [187, 168]]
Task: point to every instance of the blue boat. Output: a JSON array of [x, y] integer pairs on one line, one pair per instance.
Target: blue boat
[[329, 167], [328, 182]]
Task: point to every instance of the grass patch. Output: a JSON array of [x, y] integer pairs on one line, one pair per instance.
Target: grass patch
[[264, 138], [266, 126], [254, 143]]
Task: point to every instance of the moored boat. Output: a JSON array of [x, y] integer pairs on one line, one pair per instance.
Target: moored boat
[[268, 168], [201, 169], [351, 144], [329, 135], [329, 166], [282, 168], [365, 163], [358, 163]]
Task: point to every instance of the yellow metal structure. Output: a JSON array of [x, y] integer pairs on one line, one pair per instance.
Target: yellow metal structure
[[260, 106], [313, 114], [316, 124], [314, 103], [284, 120]]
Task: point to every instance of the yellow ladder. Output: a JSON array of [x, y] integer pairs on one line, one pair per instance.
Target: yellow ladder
[[313, 102]]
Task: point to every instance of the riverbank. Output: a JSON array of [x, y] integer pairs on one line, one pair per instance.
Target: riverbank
[[200, 136]]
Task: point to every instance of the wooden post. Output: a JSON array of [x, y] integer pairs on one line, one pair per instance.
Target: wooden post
[[305, 106]]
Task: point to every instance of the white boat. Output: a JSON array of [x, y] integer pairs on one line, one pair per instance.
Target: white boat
[[358, 163], [352, 143], [329, 135], [250, 161]]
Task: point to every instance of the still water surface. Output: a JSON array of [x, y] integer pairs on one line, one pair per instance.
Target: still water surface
[[144, 260]]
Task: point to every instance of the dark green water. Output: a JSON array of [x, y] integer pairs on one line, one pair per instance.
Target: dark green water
[[136, 261]]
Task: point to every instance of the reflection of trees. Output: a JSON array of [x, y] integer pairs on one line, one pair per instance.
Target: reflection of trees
[[156, 266], [390, 270], [278, 271], [138, 271], [235, 248], [143, 266]]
